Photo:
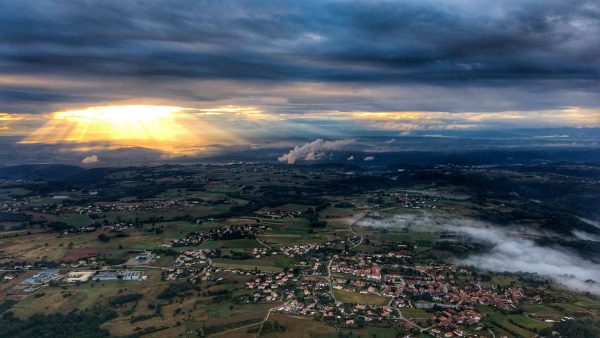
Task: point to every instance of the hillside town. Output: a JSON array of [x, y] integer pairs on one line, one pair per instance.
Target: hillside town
[[230, 258]]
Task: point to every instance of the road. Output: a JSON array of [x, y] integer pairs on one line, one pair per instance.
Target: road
[[207, 267], [263, 321], [262, 243], [120, 266], [330, 279], [355, 234], [354, 245], [401, 317], [235, 329]]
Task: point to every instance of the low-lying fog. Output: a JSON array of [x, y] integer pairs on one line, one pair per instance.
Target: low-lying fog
[[509, 250]]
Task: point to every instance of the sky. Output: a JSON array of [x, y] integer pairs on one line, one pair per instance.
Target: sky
[[232, 72]]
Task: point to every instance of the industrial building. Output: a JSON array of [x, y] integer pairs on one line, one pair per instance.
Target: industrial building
[[42, 277]]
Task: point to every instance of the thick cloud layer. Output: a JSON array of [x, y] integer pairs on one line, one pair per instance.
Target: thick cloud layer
[[323, 40], [432, 55], [509, 250]]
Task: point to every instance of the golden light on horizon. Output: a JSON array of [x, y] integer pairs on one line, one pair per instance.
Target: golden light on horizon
[[6, 120], [166, 128]]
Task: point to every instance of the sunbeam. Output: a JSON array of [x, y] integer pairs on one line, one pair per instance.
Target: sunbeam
[[155, 127]]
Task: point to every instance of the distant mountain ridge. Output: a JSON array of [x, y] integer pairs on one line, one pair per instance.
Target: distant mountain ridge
[[47, 172]]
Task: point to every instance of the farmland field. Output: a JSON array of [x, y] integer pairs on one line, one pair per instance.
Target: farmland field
[[358, 298]]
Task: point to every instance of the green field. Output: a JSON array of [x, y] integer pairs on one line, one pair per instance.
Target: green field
[[76, 220], [528, 323], [502, 321], [359, 298], [412, 313]]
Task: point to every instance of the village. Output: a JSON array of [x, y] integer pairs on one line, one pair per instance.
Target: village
[[230, 256], [353, 289], [329, 282]]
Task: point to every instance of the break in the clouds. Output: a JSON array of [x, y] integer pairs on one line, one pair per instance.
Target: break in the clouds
[[309, 58], [509, 250]]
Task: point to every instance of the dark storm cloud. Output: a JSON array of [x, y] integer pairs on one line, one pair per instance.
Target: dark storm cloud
[[340, 40], [10, 95], [535, 46]]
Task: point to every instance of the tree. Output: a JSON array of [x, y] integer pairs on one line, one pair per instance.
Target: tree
[[573, 329]]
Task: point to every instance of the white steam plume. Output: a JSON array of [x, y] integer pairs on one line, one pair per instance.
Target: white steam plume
[[90, 159], [313, 151]]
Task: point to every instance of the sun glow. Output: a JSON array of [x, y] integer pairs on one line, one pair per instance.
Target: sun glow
[[166, 128]]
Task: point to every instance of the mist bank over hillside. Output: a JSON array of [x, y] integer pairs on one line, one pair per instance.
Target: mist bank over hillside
[[508, 249]]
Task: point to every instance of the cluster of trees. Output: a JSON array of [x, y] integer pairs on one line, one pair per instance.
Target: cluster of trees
[[123, 299], [165, 251], [344, 205], [13, 217], [56, 325], [312, 217], [176, 288], [573, 329], [273, 326], [458, 248], [239, 255]]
